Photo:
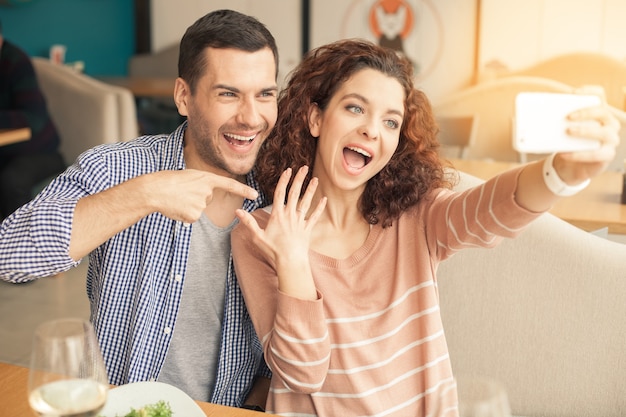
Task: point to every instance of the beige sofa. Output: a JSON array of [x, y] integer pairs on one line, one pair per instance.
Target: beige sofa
[[544, 314], [86, 111]]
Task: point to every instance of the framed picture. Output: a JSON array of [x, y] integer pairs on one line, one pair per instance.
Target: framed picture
[[412, 27], [438, 36]]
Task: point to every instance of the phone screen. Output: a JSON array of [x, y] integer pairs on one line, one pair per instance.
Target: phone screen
[[541, 121]]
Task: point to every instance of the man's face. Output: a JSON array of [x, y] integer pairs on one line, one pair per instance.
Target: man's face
[[232, 111]]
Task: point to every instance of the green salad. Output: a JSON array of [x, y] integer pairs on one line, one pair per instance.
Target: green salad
[[159, 409]]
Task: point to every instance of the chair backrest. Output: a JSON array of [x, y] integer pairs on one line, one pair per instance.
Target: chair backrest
[[86, 112], [493, 103], [158, 114], [582, 68], [163, 63], [457, 134]]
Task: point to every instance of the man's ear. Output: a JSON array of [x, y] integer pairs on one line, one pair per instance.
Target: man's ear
[[315, 116], [182, 95]]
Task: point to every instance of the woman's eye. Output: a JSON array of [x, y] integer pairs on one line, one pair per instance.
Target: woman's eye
[[392, 124], [355, 109]]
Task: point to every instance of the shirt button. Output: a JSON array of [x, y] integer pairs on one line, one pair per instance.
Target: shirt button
[[152, 379], [186, 225], [167, 330], [178, 277]]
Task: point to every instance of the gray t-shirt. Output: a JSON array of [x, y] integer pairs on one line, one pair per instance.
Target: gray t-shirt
[[191, 361]]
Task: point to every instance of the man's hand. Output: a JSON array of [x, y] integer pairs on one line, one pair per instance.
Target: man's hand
[[183, 195], [179, 195]]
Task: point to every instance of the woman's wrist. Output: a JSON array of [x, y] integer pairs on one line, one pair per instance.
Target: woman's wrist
[[554, 182]]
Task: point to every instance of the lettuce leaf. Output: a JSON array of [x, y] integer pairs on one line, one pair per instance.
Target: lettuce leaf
[[159, 409]]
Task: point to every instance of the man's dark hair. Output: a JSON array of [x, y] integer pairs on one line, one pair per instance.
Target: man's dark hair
[[220, 29]]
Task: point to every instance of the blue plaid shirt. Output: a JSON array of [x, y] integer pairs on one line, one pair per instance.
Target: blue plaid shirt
[[135, 279]]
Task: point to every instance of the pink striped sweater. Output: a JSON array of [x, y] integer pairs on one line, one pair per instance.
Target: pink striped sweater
[[373, 343]]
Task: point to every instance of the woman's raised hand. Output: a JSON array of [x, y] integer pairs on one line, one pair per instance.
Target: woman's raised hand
[[286, 239]]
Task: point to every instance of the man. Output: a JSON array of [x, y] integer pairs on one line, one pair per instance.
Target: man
[[24, 165], [155, 215]]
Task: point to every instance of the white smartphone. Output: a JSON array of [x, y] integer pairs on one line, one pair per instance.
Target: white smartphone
[[541, 121]]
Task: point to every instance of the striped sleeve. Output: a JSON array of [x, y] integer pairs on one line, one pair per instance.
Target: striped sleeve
[[297, 348], [477, 217]]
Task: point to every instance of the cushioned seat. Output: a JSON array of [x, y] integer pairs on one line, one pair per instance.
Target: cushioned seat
[[545, 315]]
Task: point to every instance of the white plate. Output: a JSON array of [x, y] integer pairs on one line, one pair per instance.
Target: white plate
[[136, 395]]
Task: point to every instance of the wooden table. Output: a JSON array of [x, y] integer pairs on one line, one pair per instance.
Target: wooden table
[[144, 86], [14, 402], [8, 136], [595, 207]]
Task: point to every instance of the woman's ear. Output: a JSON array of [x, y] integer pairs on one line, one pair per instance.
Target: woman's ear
[[315, 114]]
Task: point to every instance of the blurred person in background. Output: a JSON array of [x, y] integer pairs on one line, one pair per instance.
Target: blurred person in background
[[25, 164]]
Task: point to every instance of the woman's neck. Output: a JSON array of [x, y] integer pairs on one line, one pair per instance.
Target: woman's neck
[[340, 230]]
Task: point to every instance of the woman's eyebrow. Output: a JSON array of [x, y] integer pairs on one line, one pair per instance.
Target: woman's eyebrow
[[366, 101]]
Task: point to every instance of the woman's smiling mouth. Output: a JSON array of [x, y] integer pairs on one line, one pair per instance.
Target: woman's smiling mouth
[[356, 157]]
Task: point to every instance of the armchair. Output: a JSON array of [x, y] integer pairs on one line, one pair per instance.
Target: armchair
[[87, 112]]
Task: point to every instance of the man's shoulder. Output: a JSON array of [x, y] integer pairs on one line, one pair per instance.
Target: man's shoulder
[[138, 144], [13, 49], [16, 58], [140, 155]]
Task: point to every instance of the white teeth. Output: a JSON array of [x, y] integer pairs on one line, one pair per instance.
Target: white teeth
[[241, 138], [359, 150]]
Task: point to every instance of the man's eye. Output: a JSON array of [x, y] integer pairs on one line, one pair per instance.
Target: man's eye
[[268, 94], [227, 94]]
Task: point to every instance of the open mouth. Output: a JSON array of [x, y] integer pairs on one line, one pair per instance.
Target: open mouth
[[238, 140], [356, 157]]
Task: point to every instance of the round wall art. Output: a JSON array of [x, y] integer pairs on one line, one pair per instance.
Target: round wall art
[[411, 27]]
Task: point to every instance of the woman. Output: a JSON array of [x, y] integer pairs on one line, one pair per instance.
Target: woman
[[340, 279]]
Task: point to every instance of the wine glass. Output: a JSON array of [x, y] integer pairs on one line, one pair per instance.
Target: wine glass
[[67, 374], [482, 397]]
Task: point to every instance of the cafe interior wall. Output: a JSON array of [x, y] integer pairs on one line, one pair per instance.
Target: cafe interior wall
[[100, 33], [454, 43], [514, 35], [440, 39]]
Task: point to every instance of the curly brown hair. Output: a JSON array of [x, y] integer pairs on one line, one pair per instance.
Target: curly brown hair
[[414, 169]]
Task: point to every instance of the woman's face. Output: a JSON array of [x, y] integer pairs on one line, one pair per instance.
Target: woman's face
[[359, 130]]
